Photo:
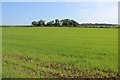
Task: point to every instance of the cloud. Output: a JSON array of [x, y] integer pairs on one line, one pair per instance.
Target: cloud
[[101, 12]]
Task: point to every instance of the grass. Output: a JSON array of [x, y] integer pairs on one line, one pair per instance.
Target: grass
[[59, 52], [0, 52]]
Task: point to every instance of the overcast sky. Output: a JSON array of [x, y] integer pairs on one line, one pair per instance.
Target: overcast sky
[[83, 12]]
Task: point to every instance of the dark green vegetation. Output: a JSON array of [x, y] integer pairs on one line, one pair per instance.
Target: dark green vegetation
[[70, 23], [60, 52], [64, 22]]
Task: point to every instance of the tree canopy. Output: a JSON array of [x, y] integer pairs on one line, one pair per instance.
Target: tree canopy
[[56, 22], [70, 23]]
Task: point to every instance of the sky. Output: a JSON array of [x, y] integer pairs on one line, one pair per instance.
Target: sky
[[23, 13], [59, 0]]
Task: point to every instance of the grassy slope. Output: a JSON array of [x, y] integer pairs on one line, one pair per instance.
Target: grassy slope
[[60, 52]]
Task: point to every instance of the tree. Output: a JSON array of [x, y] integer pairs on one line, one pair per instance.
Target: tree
[[41, 23], [74, 23], [69, 23], [66, 22], [50, 23], [57, 22], [63, 22], [34, 23]]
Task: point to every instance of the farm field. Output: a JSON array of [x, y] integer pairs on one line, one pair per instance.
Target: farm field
[[53, 52]]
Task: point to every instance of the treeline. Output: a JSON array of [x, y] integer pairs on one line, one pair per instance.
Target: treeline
[[16, 26], [57, 23], [71, 23], [98, 25], [64, 23]]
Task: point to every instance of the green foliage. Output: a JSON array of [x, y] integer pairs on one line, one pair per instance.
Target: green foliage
[[41, 23], [34, 23], [38, 23], [59, 52], [57, 23], [71, 23], [50, 23]]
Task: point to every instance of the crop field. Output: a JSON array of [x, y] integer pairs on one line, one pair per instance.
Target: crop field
[[53, 52]]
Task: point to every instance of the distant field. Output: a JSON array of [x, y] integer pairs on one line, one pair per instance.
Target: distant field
[[59, 52]]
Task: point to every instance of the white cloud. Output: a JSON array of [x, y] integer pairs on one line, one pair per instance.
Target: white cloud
[[103, 12]]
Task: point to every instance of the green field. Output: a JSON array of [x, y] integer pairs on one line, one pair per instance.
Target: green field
[[59, 52]]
